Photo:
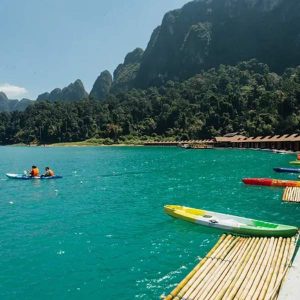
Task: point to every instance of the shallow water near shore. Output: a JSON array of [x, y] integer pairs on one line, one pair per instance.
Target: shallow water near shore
[[101, 233]]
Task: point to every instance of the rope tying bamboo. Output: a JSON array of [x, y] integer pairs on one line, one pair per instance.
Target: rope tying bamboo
[[239, 268]]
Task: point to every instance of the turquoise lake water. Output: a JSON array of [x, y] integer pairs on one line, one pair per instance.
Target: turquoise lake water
[[101, 233]]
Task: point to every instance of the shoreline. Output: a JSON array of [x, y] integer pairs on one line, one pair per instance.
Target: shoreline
[[74, 144], [88, 144]]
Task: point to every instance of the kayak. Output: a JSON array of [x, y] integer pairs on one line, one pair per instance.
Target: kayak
[[295, 162], [271, 182], [230, 223], [287, 170], [26, 177]]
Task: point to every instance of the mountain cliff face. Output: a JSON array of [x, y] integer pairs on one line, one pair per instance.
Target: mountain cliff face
[[125, 74], [4, 102], [73, 92], [101, 87], [8, 105], [123, 79], [207, 33]]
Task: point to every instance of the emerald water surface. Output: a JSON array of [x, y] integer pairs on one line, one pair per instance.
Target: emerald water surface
[[101, 233]]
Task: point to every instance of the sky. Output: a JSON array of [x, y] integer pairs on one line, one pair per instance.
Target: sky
[[50, 43]]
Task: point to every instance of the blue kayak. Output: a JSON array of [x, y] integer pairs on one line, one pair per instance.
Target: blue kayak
[[26, 177], [287, 170]]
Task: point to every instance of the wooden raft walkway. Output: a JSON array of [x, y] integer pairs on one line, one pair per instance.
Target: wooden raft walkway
[[239, 268], [291, 194]]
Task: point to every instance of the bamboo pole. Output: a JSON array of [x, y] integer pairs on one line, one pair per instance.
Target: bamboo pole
[[256, 285], [198, 266], [291, 247], [258, 270], [209, 259], [291, 194], [246, 266], [233, 271], [278, 263], [237, 269], [246, 285], [284, 194], [231, 282], [265, 269], [223, 281], [253, 252], [209, 283], [202, 273], [271, 270]]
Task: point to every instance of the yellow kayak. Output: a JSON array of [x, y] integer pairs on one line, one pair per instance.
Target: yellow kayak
[[230, 223], [295, 162]]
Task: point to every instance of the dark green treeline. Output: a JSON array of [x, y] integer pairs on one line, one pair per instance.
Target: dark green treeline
[[246, 98]]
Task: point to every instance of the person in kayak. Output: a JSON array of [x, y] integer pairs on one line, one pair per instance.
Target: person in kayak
[[34, 171], [48, 172]]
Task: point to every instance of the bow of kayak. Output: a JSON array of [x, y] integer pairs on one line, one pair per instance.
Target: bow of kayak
[[230, 223], [25, 177], [287, 170], [271, 182]]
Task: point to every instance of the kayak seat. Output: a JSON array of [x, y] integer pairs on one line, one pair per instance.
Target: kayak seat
[[207, 216], [213, 221]]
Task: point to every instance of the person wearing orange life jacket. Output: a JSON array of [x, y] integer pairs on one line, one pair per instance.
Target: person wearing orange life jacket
[[48, 172], [298, 156], [34, 171]]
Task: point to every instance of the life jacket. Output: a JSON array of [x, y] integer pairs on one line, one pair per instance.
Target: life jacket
[[298, 156], [35, 172]]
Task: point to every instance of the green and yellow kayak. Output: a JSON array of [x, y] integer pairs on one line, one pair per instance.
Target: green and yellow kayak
[[295, 162], [230, 223]]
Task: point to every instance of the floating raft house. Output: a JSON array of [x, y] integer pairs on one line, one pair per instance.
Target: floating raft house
[[291, 194], [239, 268]]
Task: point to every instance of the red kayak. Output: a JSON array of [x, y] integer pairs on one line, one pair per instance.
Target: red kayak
[[271, 182]]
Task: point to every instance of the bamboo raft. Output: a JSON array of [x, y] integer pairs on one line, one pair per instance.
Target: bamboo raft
[[291, 194], [239, 268]]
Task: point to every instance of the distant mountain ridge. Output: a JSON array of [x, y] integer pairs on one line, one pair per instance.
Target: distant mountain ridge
[[73, 92], [8, 105]]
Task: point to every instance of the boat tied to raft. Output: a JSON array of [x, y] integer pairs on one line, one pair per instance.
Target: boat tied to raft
[[287, 170], [235, 224], [271, 182], [295, 162]]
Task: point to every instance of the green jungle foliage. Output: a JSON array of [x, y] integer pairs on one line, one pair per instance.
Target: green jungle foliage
[[246, 98]]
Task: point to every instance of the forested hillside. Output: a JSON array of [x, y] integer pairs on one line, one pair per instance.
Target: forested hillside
[[247, 98], [196, 79]]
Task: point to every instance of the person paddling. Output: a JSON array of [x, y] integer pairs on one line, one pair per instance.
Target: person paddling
[[48, 172], [35, 172]]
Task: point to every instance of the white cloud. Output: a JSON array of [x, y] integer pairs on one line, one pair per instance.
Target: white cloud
[[12, 91]]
